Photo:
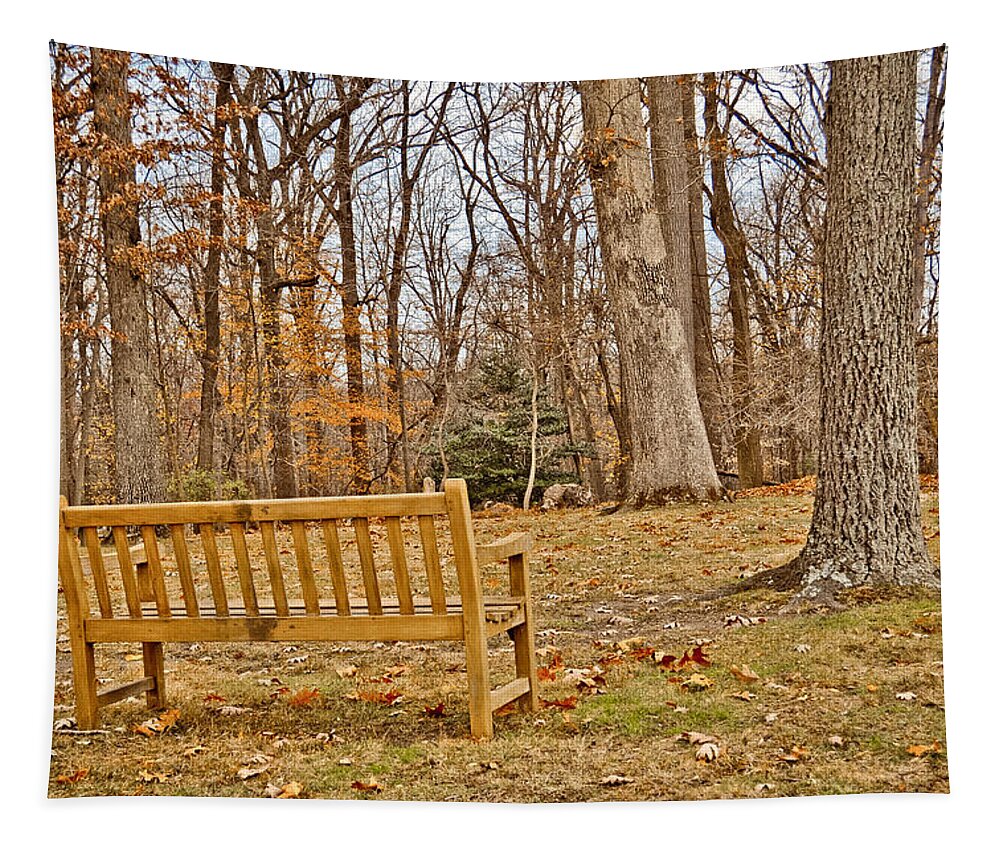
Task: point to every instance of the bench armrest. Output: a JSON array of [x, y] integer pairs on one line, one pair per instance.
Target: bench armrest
[[517, 543]]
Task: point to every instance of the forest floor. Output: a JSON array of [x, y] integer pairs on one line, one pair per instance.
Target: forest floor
[[831, 703]]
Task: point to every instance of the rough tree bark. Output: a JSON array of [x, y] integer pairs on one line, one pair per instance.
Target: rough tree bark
[[866, 522], [138, 465], [670, 457]]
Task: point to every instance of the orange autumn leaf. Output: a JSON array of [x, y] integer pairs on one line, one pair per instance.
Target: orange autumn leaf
[[75, 777], [304, 697]]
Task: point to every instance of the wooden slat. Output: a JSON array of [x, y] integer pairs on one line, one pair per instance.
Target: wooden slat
[[304, 563], [432, 563], [366, 555], [127, 571], [155, 571], [336, 561], [320, 508], [517, 543], [113, 695], [243, 569], [503, 695], [397, 553], [183, 559], [96, 559], [306, 628], [212, 564], [274, 567]]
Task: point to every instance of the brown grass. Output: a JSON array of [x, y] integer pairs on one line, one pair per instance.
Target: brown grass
[[820, 721]]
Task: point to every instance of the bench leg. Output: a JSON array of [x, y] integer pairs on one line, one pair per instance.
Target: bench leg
[[525, 661], [152, 666], [524, 664], [480, 711], [85, 687]]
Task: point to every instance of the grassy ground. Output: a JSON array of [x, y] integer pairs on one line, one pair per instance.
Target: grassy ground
[[820, 704]]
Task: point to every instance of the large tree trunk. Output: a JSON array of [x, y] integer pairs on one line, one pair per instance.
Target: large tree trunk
[[138, 466], [746, 435], [866, 522], [669, 453]]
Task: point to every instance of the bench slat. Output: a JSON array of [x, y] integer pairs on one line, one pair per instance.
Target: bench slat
[[308, 628], [247, 590], [432, 564], [96, 558], [155, 570], [274, 567], [183, 559], [319, 508], [400, 573], [127, 571], [212, 564], [331, 537], [304, 563], [366, 555]]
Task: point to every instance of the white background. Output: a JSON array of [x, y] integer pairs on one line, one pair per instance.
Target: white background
[[511, 39]]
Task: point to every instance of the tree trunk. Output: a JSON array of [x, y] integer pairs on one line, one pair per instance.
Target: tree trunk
[[670, 457], [209, 356], [866, 523], [746, 435], [928, 150], [343, 178], [138, 466], [706, 365]]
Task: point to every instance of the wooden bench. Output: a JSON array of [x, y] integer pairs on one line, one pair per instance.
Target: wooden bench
[[163, 591]]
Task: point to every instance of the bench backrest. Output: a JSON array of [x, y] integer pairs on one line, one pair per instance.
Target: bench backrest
[[242, 544]]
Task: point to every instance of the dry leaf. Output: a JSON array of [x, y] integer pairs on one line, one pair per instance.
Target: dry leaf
[[370, 786], [305, 697], [435, 711], [922, 750], [152, 776], [695, 738], [697, 682], [75, 777], [707, 752], [906, 695], [836, 741], [289, 790], [616, 780], [803, 648], [151, 726], [792, 756], [744, 695], [744, 674]]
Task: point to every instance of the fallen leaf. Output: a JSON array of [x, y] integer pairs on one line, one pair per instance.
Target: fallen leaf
[[75, 777], [564, 703], [370, 786], [697, 682], [836, 741], [695, 738], [744, 674], [616, 780], [803, 648], [922, 750], [289, 790], [906, 695], [194, 751], [792, 756], [233, 710], [305, 697], [208, 698], [152, 726], [346, 672], [744, 695], [152, 776], [435, 711], [708, 752], [248, 771], [871, 687]]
